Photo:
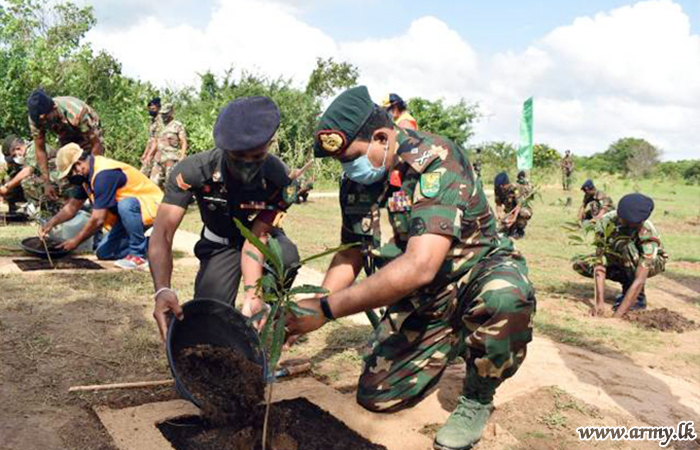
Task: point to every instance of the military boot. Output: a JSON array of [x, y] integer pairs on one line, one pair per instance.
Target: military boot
[[467, 422]]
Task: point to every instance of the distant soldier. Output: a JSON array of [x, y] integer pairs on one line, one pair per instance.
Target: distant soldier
[[567, 169], [12, 195], [71, 119], [511, 210], [397, 108], [524, 184], [476, 164], [631, 253], [147, 160], [28, 179], [596, 203], [171, 144]]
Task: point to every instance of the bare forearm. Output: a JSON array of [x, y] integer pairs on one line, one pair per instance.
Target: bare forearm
[[251, 270], [69, 210], [17, 179], [343, 270], [630, 297], [41, 157], [160, 256], [91, 227], [384, 288], [96, 145]]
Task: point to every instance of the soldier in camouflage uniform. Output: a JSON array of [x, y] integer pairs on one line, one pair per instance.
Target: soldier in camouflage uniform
[[171, 145], [511, 210], [147, 159], [12, 196], [452, 285], [596, 203], [567, 169], [28, 179], [633, 252], [71, 119]]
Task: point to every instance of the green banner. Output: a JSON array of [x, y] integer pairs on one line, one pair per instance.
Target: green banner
[[525, 149]]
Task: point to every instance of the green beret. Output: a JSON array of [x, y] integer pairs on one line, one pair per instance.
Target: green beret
[[341, 121]]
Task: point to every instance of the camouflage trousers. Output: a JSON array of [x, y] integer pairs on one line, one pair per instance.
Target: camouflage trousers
[[485, 317], [33, 187], [164, 166], [566, 180], [622, 270]]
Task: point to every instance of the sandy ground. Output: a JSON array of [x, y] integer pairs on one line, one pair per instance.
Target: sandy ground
[[45, 349]]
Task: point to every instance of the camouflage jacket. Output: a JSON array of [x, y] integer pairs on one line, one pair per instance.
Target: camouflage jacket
[[597, 201], [567, 164], [75, 117], [509, 196], [432, 190], [646, 241], [170, 135], [155, 127]]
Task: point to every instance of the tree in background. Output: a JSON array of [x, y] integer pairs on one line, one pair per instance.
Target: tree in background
[[452, 121], [545, 157], [330, 76], [40, 46], [632, 156]]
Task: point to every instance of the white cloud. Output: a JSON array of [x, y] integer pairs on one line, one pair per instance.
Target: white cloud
[[245, 34], [632, 71]]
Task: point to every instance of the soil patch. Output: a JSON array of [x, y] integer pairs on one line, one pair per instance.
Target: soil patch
[[547, 418], [224, 383], [28, 265], [661, 319], [294, 425]]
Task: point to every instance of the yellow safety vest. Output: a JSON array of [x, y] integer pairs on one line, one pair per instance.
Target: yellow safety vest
[[137, 186], [406, 116]]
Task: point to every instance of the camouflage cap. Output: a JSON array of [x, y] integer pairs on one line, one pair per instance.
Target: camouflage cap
[[166, 109], [341, 121], [8, 143]]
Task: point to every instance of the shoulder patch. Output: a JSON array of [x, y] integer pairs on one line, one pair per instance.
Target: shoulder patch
[[181, 183], [430, 184]]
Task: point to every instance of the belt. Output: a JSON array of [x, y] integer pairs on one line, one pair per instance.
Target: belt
[[211, 236]]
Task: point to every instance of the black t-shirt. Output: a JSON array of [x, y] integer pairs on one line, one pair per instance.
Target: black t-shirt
[[220, 197]]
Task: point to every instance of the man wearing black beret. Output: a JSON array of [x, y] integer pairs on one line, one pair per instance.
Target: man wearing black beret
[[596, 203], [629, 250], [237, 179], [73, 121]]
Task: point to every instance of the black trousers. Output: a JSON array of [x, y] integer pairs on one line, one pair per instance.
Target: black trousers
[[220, 267]]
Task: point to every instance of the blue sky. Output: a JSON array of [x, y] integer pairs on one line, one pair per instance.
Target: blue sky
[[599, 70]]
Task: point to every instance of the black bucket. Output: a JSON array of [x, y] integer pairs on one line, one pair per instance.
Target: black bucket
[[214, 323], [35, 247]]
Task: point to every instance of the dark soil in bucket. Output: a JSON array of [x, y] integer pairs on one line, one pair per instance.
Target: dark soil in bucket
[[224, 383], [293, 425], [661, 319], [28, 265]]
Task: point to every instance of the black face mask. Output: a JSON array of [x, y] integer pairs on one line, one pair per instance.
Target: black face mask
[[77, 179], [152, 113], [244, 171]]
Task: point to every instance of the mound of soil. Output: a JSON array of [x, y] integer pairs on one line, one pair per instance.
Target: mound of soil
[[661, 319], [225, 384], [293, 425]]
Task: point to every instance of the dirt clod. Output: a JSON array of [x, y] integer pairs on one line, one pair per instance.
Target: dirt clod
[[224, 383], [661, 319]]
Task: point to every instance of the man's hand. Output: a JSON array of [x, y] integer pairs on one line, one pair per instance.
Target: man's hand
[[69, 245], [297, 325], [253, 304], [3, 191], [50, 191], [598, 311], [45, 230], [166, 305]]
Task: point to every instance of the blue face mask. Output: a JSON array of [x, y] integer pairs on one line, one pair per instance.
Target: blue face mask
[[361, 169]]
